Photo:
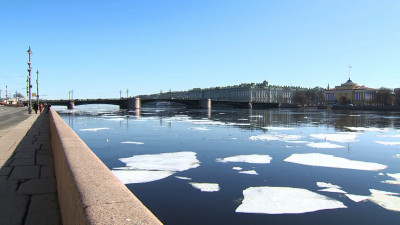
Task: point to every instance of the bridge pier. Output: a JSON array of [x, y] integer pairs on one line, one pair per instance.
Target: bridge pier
[[71, 105], [205, 103], [134, 103]]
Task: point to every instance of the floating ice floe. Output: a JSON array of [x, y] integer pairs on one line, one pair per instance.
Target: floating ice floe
[[205, 187], [395, 176], [389, 143], [237, 168], [261, 159], [357, 198], [334, 190], [370, 129], [343, 137], [397, 156], [115, 119], [285, 200], [390, 136], [146, 168], [199, 128], [275, 137], [132, 142], [94, 129], [140, 176], [323, 160], [250, 172], [323, 145], [382, 198], [327, 185], [174, 161], [277, 128], [183, 178]]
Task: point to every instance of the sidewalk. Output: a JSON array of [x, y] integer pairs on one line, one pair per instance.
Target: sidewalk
[[28, 191]]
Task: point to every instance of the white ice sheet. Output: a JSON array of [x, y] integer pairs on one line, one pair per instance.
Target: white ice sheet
[[260, 159], [323, 160], [285, 200]]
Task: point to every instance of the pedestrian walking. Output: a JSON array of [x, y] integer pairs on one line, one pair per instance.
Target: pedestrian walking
[[41, 108], [35, 107]]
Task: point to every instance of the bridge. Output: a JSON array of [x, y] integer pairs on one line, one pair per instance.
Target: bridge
[[136, 103]]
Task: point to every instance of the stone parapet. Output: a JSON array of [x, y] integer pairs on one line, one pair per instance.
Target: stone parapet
[[87, 190]]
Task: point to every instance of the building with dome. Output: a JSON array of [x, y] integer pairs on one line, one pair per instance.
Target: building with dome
[[350, 93]]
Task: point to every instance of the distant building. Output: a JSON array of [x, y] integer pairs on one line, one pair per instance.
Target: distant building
[[350, 93]]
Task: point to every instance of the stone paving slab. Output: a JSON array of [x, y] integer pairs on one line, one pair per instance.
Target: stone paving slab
[[28, 188], [43, 210], [25, 172], [38, 186]]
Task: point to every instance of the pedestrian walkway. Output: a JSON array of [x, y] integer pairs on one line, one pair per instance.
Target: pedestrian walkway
[[28, 189]]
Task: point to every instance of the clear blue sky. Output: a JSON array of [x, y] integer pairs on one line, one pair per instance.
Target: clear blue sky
[[100, 47]]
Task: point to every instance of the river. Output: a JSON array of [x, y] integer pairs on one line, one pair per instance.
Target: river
[[235, 166]]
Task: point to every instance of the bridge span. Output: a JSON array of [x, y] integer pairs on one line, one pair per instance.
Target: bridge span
[[136, 103]]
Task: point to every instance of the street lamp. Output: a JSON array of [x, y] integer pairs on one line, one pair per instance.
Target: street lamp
[[29, 81], [37, 87]]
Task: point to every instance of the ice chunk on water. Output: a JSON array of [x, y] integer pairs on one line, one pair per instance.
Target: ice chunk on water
[[275, 137], [357, 198], [237, 168], [94, 129], [370, 129], [318, 159], [277, 128], [397, 156], [390, 143], [391, 136], [205, 187], [327, 185], [342, 137], [251, 172], [388, 202], [132, 142], [334, 190], [323, 145], [174, 161], [183, 178], [285, 200], [140, 176], [379, 192], [262, 159], [199, 128]]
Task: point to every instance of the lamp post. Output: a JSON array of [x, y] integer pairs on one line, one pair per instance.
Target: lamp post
[[37, 87], [29, 81]]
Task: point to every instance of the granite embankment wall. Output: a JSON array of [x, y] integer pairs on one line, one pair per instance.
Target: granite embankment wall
[[88, 192]]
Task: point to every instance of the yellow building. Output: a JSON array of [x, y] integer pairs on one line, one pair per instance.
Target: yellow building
[[350, 93]]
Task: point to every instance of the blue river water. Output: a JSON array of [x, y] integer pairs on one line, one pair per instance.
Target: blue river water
[[236, 166]]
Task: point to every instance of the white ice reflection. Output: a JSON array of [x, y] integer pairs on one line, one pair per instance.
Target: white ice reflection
[[323, 145], [389, 143], [285, 200], [323, 160], [276, 137], [94, 129], [261, 159], [132, 142], [277, 128], [205, 187], [162, 165], [338, 137], [369, 129]]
